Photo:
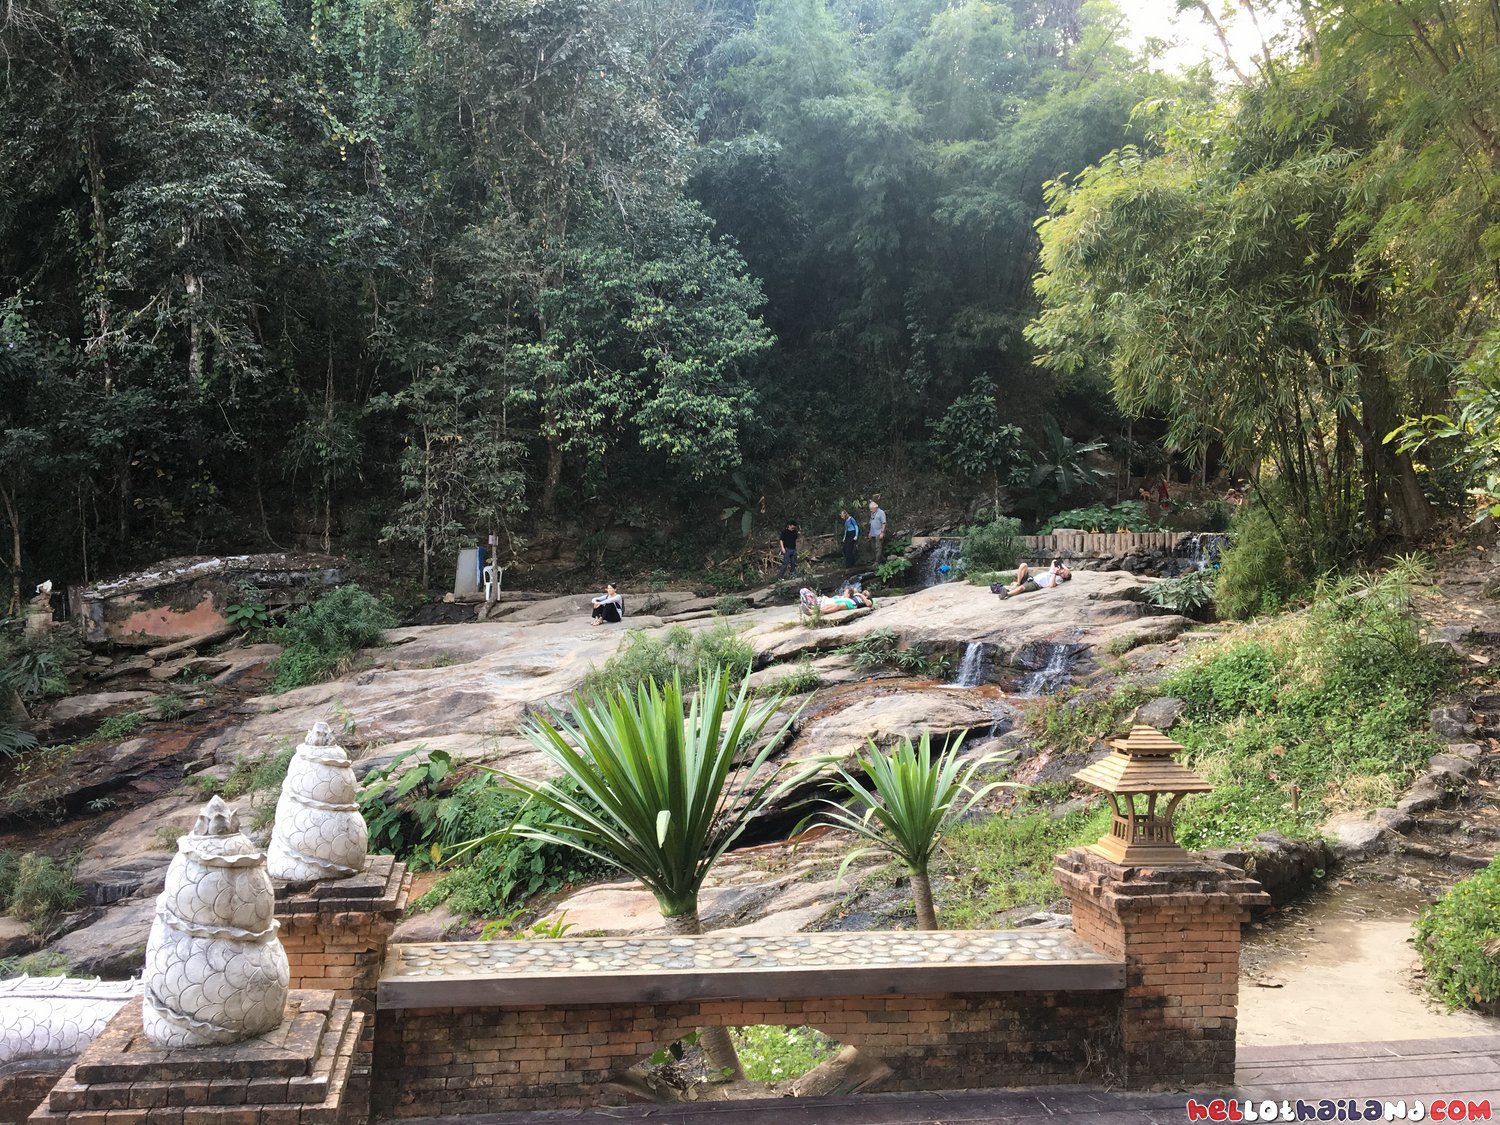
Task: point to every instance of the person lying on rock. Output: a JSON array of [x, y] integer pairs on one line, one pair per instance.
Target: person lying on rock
[[609, 606], [1027, 580], [847, 599]]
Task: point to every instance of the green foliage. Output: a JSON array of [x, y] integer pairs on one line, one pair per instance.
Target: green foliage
[[1073, 719], [42, 963], [1330, 701], [13, 740], [913, 799], [248, 613], [972, 437], [43, 890], [729, 605], [165, 838], [994, 863], [798, 681], [1190, 594], [168, 705], [893, 569], [1130, 515], [779, 1054], [992, 546], [990, 577], [1062, 468], [668, 784], [1257, 572], [321, 637], [117, 727], [881, 649], [1457, 937], [402, 801], [642, 658]]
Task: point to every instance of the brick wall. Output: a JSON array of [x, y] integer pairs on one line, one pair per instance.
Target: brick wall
[[1178, 932], [431, 1061]]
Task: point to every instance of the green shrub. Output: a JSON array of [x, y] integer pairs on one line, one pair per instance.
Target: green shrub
[[496, 877], [893, 569], [643, 657], [117, 727], [798, 681], [1330, 701], [320, 638], [990, 577], [1073, 722], [43, 891], [1257, 574], [729, 605], [36, 667], [42, 963], [10, 862], [992, 546], [169, 705], [1457, 938], [1191, 594], [881, 649], [1131, 515], [779, 1054]]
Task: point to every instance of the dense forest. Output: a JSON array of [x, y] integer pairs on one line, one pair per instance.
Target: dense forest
[[389, 274]]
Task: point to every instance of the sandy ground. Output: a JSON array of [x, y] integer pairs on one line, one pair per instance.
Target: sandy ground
[[1339, 969]]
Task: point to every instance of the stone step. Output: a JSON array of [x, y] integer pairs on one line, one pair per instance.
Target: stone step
[[1450, 826]]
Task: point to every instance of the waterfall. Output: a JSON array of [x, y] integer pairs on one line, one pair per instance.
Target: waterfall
[[972, 668], [1052, 674], [1203, 550], [937, 567]]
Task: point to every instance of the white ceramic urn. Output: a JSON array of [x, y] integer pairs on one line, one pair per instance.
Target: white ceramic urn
[[215, 972], [319, 832]]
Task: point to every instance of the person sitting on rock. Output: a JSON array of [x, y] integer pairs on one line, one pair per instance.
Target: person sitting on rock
[[1026, 581], [847, 599], [609, 606]]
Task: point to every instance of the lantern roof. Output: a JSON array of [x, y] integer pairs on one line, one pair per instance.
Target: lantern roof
[[1142, 763]]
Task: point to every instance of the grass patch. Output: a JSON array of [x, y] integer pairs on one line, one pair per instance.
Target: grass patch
[[1307, 714], [259, 778], [882, 649], [1073, 721], [1457, 937], [42, 963], [321, 639], [166, 837], [117, 727], [998, 862], [729, 605], [777, 1054], [988, 578], [797, 681], [37, 888]]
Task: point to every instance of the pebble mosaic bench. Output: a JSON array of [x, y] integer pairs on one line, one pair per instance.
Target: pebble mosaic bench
[[491, 1027]]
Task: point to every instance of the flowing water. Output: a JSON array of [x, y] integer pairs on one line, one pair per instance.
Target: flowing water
[[1051, 671], [938, 565], [976, 661]]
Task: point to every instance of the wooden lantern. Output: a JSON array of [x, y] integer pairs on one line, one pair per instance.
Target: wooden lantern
[[1144, 786]]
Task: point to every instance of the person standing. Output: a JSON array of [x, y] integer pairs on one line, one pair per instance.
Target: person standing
[[877, 531], [788, 550], [851, 537]]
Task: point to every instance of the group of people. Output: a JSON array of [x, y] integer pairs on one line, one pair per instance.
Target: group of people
[[849, 542]]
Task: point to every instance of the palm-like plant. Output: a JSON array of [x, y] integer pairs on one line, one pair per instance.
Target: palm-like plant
[[663, 789], [912, 800], [1060, 469]]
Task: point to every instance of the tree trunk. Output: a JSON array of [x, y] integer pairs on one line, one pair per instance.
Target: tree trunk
[[716, 1042], [554, 475], [15, 550], [921, 890]]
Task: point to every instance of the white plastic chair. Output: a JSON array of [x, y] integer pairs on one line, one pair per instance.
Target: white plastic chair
[[493, 576]]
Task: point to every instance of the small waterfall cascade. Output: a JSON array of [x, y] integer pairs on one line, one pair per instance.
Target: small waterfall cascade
[[976, 662], [1052, 673], [938, 566], [1203, 550]]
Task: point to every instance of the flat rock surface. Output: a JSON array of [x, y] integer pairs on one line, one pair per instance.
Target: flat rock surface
[[114, 944]]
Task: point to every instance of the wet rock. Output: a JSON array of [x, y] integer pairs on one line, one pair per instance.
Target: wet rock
[[1452, 723], [1285, 868], [1357, 836], [1421, 797], [114, 669], [1392, 820], [114, 944], [131, 857], [80, 715], [1163, 713], [16, 937]]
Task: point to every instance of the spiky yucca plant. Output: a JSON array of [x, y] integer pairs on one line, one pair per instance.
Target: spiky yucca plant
[[664, 787], [911, 801]]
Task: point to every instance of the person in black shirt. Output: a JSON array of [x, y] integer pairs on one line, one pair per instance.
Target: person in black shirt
[[788, 551]]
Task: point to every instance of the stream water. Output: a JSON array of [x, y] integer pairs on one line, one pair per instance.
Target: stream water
[[937, 566]]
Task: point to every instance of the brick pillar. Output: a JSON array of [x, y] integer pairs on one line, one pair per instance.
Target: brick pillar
[[335, 932], [1178, 931]]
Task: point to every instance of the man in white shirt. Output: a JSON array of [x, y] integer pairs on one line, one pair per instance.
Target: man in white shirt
[[1026, 581]]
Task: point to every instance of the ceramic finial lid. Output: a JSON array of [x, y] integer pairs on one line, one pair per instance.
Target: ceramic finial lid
[[217, 819]]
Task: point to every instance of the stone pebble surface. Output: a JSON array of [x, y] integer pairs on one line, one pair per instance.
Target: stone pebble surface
[[868, 949]]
